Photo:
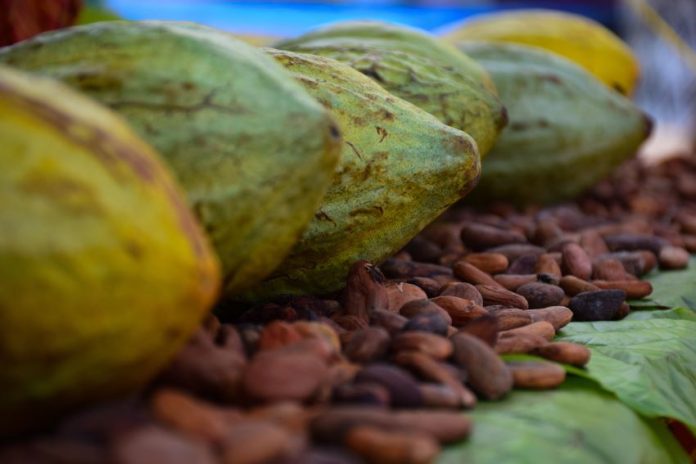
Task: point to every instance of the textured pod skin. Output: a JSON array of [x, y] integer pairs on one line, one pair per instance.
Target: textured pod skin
[[104, 272], [416, 67], [566, 132], [400, 168], [253, 151], [585, 42]]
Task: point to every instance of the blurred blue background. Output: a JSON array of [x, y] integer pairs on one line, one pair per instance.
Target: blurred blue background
[[289, 18]]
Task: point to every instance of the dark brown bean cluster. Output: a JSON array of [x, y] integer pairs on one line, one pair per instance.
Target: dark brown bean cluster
[[380, 372]]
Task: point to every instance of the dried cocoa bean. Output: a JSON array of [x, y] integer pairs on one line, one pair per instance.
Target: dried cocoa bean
[[564, 352], [481, 236], [634, 242], [602, 305], [539, 295], [154, 444], [399, 268], [632, 288], [365, 291], [518, 343], [484, 327], [494, 295], [525, 264], [439, 396], [573, 285], [576, 261], [402, 387], [460, 310], [462, 290], [510, 318], [672, 257], [513, 281], [609, 269], [258, 442], [401, 293], [557, 316], [424, 307], [546, 264], [431, 287], [515, 250], [433, 323], [367, 345], [471, 274], [492, 263], [541, 328], [430, 344], [537, 375], [367, 394], [487, 373], [388, 320]]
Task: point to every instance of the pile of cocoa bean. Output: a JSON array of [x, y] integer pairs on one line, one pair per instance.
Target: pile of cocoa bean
[[384, 371]]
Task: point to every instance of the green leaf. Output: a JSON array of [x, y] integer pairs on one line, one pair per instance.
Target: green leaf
[[672, 288], [577, 423], [649, 364], [674, 313]]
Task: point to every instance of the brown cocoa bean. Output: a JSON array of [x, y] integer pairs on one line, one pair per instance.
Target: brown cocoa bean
[[378, 446], [513, 281], [471, 274], [525, 264], [430, 344], [632, 288], [557, 316], [365, 291], [402, 387], [576, 261], [439, 396], [350, 322], [279, 375], [672, 257], [546, 264], [151, 444], [388, 320], [367, 394], [689, 243], [460, 310], [424, 307], [288, 415], [609, 269], [547, 232], [433, 323], [278, 334], [401, 293], [494, 295], [537, 375], [462, 290], [431, 287], [634, 242], [487, 373], [446, 427], [510, 318], [429, 369], [515, 250], [573, 285], [484, 327], [422, 249], [481, 236], [637, 263], [540, 295], [398, 268], [492, 263], [602, 305], [367, 345], [592, 242], [518, 343], [564, 352], [257, 442], [541, 328], [191, 416]]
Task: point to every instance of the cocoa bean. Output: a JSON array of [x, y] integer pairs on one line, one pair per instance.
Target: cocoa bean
[[368, 394], [492, 263], [525, 264], [462, 290], [672, 257], [460, 310], [634, 242], [279, 375], [609, 269], [573, 285], [388, 320], [537, 375], [510, 318], [484, 327], [422, 249], [540, 328], [471, 274], [424, 307], [365, 291], [546, 264], [434, 323], [401, 293], [493, 295], [513, 281], [564, 352], [398, 268], [367, 345], [487, 373], [576, 261], [518, 343], [632, 288], [546, 232], [481, 236], [402, 387], [428, 343], [539, 295], [557, 316], [439, 396], [430, 286], [257, 442], [151, 444], [601, 305], [278, 334], [515, 250]]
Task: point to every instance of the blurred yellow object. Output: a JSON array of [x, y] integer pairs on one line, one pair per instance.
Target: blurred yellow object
[[579, 39]]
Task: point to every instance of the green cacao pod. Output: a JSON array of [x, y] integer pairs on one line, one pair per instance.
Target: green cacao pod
[[416, 67], [104, 272], [400, 168], [253, 151], [566, 132]]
